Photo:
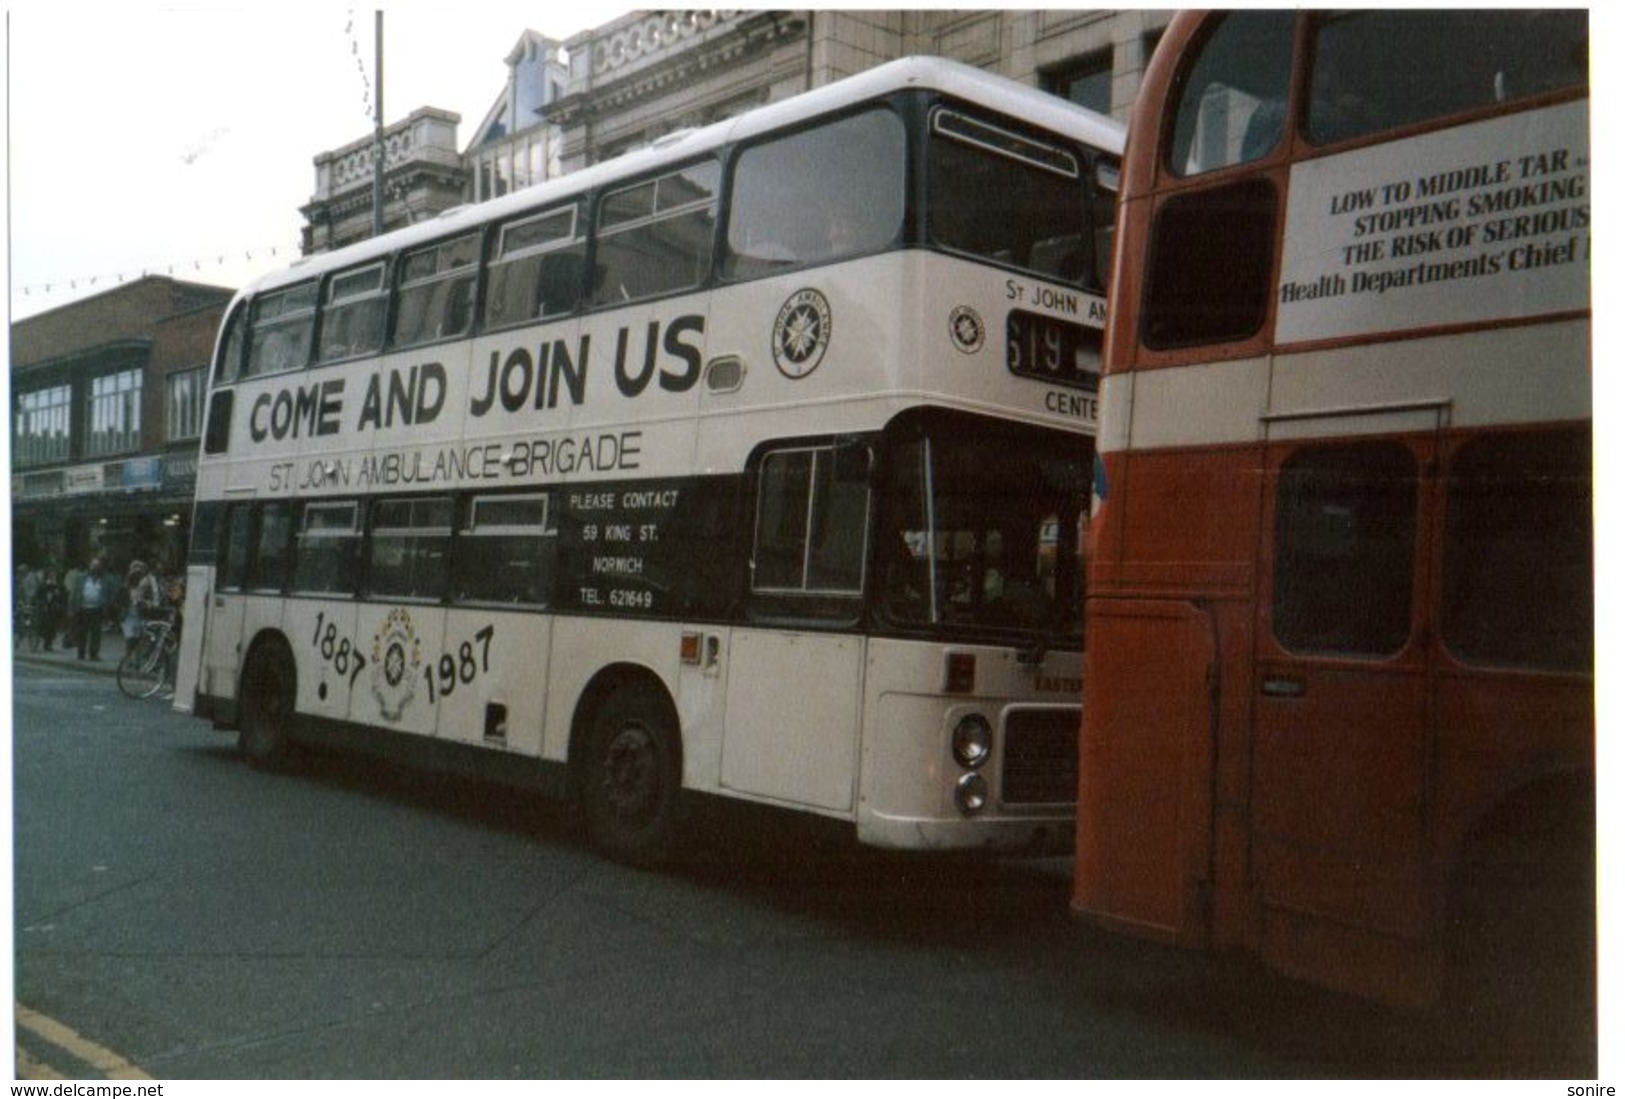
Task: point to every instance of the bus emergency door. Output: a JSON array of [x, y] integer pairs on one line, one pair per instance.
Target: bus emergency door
[[1342, 731]]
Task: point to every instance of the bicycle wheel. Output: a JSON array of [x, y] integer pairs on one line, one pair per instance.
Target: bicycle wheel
[[141, 672]]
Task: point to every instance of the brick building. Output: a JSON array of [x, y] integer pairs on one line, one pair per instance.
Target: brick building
[[107, 408]]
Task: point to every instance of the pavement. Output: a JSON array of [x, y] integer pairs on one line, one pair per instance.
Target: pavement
[[66, 657]]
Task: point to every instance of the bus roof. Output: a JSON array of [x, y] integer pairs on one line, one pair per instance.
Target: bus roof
[[988, 90]]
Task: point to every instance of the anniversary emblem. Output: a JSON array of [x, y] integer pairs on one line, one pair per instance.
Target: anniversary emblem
[[396, 657]]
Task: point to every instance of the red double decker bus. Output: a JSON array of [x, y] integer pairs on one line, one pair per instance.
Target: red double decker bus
[[1340, 617]]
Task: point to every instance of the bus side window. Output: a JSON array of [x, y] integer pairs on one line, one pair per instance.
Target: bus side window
[[536, 271], [436, 297], [409, 548], [235, 547], [273, 548], [208, 526], [1211, 262], [231, 364], [811, 524], [506, 552], [282, 330], [1233, 109], [1344, 549], [782, 215], [328, 548], [353, 315], [1456, 61], [656, 237], [1518, 571]]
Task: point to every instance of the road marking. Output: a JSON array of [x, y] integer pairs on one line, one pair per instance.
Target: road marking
[[30, 1067], [102, 1059]]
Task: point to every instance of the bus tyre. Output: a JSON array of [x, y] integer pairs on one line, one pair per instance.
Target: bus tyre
[[631, 779], [264, 735]]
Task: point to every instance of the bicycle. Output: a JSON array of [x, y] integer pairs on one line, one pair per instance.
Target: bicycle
[[148, 666]]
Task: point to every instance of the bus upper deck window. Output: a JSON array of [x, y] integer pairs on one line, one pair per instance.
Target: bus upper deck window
[[1453, 61], [655, 237], [280, 334], [436, 296], [784, 215], [537, 268], [353, 314], [232, 345], [1044, 221], [1233, 107]]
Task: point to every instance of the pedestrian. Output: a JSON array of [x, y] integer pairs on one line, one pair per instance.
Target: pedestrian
[[71, 583], [142, 600], [24, 590], [51, 602], [95, 595]]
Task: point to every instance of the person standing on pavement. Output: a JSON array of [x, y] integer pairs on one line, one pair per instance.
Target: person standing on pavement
[[95, 593], [50, 603], [71, 583]]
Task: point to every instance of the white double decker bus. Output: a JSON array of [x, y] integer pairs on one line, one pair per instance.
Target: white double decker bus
[[751, 464]]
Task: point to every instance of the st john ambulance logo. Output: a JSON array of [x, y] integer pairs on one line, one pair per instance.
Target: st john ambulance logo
[[801, 333], [397, 657], [966, 327]]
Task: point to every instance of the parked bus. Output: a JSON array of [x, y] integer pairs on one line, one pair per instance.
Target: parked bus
[[752, 463], [1340, 596]]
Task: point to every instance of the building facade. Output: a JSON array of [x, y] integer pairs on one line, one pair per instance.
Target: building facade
[[648, 73], [423, 175], [107, 410], [568, 105]]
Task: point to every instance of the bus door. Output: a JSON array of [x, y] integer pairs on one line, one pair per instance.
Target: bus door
[[223, 622], [795, 682], [1342, 738]]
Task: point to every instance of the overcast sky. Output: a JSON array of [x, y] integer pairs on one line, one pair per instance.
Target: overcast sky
[[178, 137]]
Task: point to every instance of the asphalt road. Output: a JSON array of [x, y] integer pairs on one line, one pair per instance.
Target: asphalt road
[[186, 917]]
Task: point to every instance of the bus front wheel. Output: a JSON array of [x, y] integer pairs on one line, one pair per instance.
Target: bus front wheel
[[265, 736], [631, 778]]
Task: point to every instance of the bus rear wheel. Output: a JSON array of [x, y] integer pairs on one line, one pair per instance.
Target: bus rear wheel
[[265, 733], [631, 779]]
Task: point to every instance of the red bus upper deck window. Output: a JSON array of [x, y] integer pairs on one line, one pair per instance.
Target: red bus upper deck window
[[1373, 71], [1232, 103]]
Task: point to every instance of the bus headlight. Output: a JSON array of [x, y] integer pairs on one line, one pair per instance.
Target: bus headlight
[[970, 793], [973, 740]]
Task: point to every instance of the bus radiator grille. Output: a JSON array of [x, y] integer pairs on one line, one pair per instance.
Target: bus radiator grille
[[1040, 757]]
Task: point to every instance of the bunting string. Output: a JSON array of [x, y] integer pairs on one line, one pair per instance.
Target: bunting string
[[360, 64], [197, 267]]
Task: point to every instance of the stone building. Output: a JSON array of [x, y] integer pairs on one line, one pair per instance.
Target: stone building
[[566, 105], [649, 73]]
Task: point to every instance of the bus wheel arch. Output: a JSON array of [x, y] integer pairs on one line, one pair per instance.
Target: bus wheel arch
[[266, 694], [626, 765]]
